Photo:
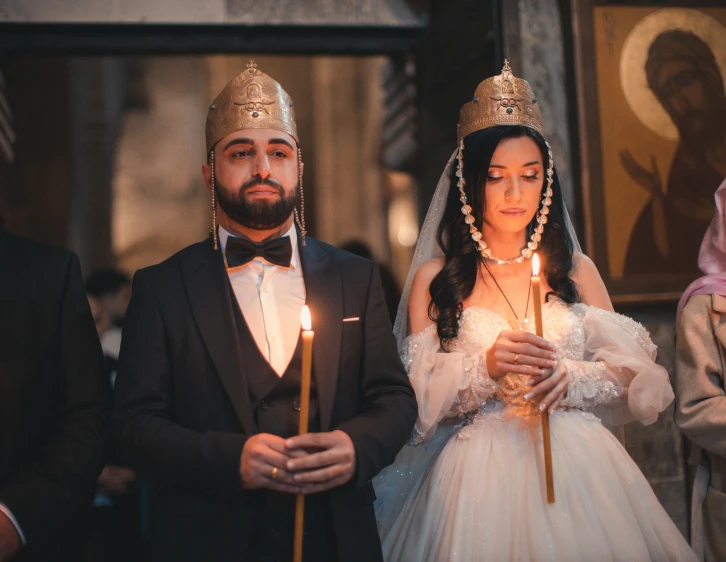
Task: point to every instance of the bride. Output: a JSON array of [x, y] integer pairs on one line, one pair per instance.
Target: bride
[[472, 487]]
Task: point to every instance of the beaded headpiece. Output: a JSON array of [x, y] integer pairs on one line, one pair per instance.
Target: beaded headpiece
[[252, 100], [502, 100]]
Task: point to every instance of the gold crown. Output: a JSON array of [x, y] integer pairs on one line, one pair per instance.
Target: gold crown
[[252, 100], [500, 100]]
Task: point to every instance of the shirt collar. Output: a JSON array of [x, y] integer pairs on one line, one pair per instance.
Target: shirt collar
[[292, 233]]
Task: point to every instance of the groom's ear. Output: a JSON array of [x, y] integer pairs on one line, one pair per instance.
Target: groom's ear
[[207, 174]]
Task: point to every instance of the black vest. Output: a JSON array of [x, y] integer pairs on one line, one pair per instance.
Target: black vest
[[276, 408], [275, 400]]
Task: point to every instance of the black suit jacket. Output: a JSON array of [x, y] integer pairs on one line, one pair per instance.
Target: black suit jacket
[[54, 397], [183, 410]]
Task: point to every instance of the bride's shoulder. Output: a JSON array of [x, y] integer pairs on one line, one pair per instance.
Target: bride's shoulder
[[589, 283], [419, 300], [428, 271]]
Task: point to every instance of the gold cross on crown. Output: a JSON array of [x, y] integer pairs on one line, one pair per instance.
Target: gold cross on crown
[[252, 67]]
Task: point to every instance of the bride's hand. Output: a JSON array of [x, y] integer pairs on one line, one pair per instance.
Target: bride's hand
[[521, 353], [554, 387]]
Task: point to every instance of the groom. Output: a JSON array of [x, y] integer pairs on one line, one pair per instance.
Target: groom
[[208, 390]]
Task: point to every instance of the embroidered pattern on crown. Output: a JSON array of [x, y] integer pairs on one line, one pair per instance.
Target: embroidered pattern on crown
[[501, 100], [252, 100]]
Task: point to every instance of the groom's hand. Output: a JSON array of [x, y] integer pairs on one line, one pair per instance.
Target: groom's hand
[[330, 463], [263, 462]]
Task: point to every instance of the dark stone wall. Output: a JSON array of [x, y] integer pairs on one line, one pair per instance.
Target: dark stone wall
[[34, 188], [658, 449], [461, 48], [65, 115]]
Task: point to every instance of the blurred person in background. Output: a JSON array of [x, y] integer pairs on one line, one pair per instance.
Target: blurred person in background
[[700, 389], [112, 289], [101, 318], [117, 534]]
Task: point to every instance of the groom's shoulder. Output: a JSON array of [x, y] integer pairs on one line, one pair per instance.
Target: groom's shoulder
[[171, 267], [350, 263]]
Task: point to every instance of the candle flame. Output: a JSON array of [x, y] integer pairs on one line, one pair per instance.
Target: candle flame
[[307, 324], [535, 265]]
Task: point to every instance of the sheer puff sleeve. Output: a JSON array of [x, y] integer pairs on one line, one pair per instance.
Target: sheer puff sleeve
[[446, 384], [618, 370]]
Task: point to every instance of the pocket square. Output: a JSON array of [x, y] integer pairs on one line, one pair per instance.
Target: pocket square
[[351, 319]]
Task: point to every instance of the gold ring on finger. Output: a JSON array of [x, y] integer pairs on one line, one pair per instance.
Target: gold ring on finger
[[274, 473], [516, 358]]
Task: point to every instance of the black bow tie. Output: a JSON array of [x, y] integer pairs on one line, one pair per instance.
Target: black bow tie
[[240, 251]]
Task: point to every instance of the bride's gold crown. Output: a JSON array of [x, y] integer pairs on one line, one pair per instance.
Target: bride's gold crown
[[500, 100], [253, 100]]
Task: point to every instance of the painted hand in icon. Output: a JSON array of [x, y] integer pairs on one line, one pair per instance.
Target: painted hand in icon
[[650, 181], [647, 179]]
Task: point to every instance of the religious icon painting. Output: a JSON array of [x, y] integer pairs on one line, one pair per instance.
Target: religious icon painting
[[653, 138]]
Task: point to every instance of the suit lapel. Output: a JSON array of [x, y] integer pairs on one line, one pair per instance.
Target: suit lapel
[[209, 294], [324, 296]]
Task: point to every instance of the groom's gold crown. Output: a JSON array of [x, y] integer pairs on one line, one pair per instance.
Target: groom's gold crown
[[500, 100], [253, 100]]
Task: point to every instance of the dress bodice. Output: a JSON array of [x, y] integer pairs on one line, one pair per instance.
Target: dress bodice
[[561, 323], [479, 328], [603, 352]]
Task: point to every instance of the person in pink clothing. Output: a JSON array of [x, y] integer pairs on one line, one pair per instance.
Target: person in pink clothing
[[700, 389]]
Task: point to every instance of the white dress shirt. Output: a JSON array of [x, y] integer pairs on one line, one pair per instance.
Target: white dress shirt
[[271, 299]]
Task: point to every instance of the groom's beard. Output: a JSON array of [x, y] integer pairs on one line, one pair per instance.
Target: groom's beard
[[257, 215]]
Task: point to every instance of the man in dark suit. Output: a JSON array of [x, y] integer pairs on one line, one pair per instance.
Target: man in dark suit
[[54, 402], [208, 391]]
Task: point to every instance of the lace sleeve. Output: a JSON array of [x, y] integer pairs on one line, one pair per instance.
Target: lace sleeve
[[476, 385], [446, 384], [618, 370], [591, 384]]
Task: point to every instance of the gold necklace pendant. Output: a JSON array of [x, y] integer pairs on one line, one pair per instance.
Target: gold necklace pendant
[[523, 325]]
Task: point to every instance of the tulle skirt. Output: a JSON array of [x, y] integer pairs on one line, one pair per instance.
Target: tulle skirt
[[483, 498]]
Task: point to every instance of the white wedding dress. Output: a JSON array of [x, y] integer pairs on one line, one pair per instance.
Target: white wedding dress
[[474, 491]]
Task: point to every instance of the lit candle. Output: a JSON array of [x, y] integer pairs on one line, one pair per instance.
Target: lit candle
[[537, 298], [307, 361], [536, 295]]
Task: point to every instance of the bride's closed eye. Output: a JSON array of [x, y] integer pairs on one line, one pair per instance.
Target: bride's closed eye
[[529, 177]]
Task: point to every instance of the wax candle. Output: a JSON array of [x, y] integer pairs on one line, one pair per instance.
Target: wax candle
[[307, 361], [537, 298]]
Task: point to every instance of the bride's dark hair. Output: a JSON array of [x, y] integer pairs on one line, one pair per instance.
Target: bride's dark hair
[[455, 282]]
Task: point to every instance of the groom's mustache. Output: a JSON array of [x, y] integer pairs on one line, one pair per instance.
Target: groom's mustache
[[255, 182]]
